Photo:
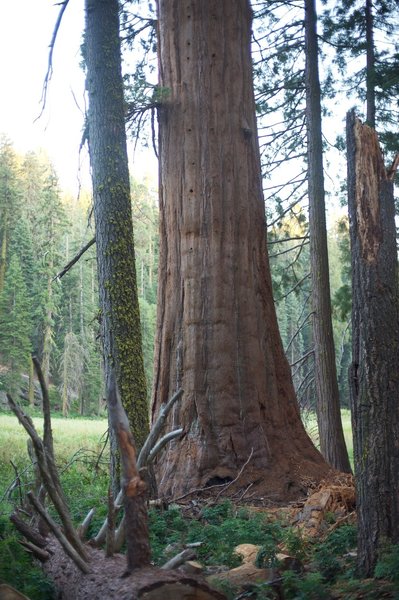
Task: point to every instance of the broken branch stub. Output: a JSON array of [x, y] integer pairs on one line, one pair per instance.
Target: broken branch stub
[[147, 454], [136, 518]]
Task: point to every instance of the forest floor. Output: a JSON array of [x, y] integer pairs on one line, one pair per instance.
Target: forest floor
[[249, 547]]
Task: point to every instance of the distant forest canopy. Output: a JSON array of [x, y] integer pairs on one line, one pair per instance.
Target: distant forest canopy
[[42, 229]]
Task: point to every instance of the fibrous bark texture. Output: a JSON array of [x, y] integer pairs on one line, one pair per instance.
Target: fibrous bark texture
[[332, 441], [112, 211], [374, 379], [217, 335]]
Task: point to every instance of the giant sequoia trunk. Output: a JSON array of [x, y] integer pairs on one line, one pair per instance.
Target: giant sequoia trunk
[[374, 377], [217, 334], [120, 318], [332, 441]]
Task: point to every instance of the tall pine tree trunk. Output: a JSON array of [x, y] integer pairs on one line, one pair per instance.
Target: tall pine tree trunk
[[119, 306], [48, 327], [217, 334], [374, 380], [370, 65], [3, 252], [332, 441]]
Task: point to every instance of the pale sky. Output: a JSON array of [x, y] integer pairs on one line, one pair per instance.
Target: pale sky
[[26, 28]]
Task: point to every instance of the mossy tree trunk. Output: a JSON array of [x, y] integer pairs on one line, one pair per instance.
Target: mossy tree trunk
[[374, 379], [217, 334], [332, 441], [120, 318]]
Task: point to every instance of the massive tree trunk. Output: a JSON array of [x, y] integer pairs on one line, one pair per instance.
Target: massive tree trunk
[[374, 377], [120, 317], [332, 441], [217, 334]]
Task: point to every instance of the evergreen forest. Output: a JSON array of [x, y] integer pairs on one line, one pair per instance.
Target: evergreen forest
[[205, 360]]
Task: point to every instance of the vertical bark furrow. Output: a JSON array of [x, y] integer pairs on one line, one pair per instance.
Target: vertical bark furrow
[[374, 373]]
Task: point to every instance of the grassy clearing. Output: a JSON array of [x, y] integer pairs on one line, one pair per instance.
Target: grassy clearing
[[69, 435], [78, 444], [311, 426]]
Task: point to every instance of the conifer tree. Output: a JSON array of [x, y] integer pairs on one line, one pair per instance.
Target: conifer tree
[[15, 324], [362, 32], [9, 197]]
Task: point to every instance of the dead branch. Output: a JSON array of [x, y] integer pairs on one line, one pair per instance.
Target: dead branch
[[37, 552], [162, 442], [297, 331], [304, 243], [110, 535], [49, 72], [288, 239], [156, 429], [179, 559], [217, 485], [148, 447], [30, 534], [136, 517], [303, 358], [75, 259], [238, 476], [298, 283], [84, 526], [49, 477], [69, 549], [17, 483]]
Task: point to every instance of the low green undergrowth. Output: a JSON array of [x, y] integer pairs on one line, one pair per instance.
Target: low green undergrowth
[[83, 466], [327, 568]]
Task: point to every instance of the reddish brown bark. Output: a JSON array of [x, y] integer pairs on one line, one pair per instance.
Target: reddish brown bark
[[217, 334]]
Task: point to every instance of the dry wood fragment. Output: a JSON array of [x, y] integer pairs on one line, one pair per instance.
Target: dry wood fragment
[[27, 531], [146, 454], [84, 526], [179, 559], [37, 552], [110, 536], [136, 518]]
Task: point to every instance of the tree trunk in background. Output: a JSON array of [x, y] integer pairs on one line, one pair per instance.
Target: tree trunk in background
[[48, 327], [3, 252], [374, 371], [217, 334], [31, 384], [120, 316], [332, 441], [370, 65]]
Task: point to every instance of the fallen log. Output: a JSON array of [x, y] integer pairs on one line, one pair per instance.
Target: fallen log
[[148, 583]]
